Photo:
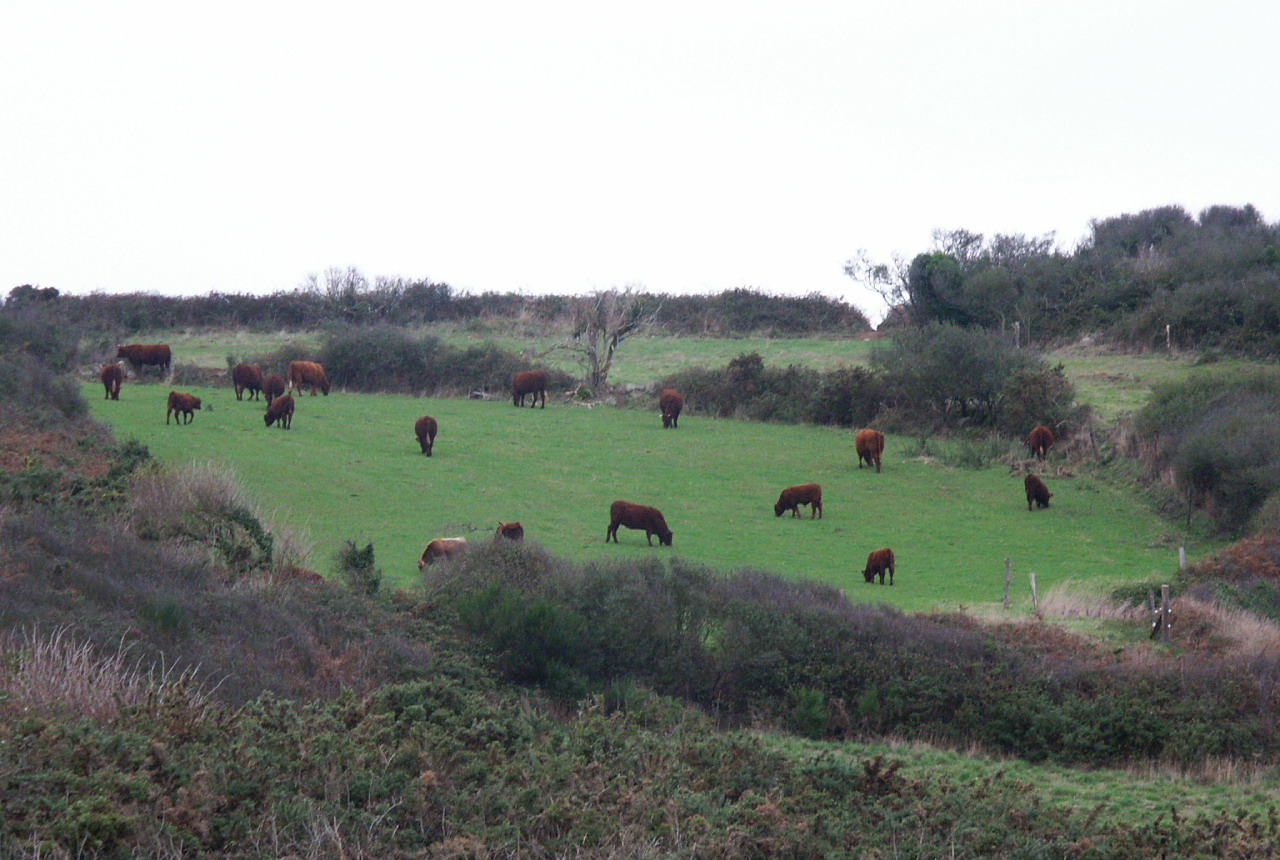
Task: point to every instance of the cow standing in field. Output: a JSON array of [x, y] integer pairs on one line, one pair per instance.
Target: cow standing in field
[[1036, 492], [112, 377], [442, 549], [281, 410], [425, 429], [142, 355], [509, 531], [272, 387], [635, 516], [670, 402], [182, 405], [1040, 441], [308, 373], [870, 446], [801, 494], [879, 562], [529, 382], [247, 377]]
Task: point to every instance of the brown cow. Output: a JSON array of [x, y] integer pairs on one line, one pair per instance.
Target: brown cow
[[425, 429], [1036, 492], [182, 405], [869, 445], [142, 354], [112, 376], [801, 494], [638, 517], [442, 549], [272, 387], [308, 373], [879, 562], [281, 409], [1040, 441], [529, 382], [509, 531], [247, 377], [670, 402]]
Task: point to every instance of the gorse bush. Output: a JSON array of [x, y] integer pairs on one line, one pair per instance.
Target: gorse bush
[[356, 567], [1218, 433], [392, 359], [750, 644], [939, 378]]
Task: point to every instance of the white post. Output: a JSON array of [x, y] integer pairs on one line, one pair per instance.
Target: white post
[[1035, 595], [1182, 558]]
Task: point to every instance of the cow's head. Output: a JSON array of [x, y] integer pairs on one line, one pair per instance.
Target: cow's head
[[778, 508], [195, 403], [869, 575], [664, 537]]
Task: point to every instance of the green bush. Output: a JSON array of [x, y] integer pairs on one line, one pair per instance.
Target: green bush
[[356, 567]]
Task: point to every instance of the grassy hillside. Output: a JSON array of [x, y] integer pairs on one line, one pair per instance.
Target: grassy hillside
[[350, 468], [1111, 384]]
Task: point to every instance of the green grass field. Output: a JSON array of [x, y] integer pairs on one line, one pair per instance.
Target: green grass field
[[351, 468]]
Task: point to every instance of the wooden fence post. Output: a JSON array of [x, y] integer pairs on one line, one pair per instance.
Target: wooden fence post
[[1008, 580], [1182, 558], [1035, 595], [1164, 613]]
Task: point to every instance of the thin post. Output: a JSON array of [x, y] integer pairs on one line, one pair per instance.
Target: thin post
[[1008, 580], [1164, 613], [1168, 338], [1035, 595], [1182, 558]]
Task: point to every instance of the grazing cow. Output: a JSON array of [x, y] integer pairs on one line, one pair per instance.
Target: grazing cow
[[247, 377], [879, 562], [509, 531], [112, 376], [281, 409], [638, 517], [308, 373], [442, 549], [142, 354], [1040, 441], [529, 382], [670, 402], [272, 387], [425, 429], [1036, 492], [801, 494], [869, 445], [182, 405]]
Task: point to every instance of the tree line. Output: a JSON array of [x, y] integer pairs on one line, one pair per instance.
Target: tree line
[[1213, 279], [347, 297]]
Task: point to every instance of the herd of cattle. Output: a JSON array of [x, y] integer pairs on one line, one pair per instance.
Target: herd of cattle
[[868, 444]]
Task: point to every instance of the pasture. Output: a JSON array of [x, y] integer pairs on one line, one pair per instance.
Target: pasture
[[1111, 383], [351, 468]]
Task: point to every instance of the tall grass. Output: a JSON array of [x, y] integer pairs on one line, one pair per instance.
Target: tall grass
[[53, 672]]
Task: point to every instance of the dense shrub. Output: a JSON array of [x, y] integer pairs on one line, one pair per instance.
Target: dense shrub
[[1218, 435], [746, 388], [946, 376], [941, 377], [392, 359], [750, 644]]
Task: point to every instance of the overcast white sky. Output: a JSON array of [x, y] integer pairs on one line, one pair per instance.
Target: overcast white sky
[[562, 146]]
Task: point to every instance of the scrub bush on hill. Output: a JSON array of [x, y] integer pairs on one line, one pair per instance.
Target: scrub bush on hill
[[751, 645], [1217, 434], [942, 377], [392, 359]]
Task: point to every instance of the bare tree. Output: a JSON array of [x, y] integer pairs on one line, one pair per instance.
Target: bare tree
[[887, 280], [601, 322]]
